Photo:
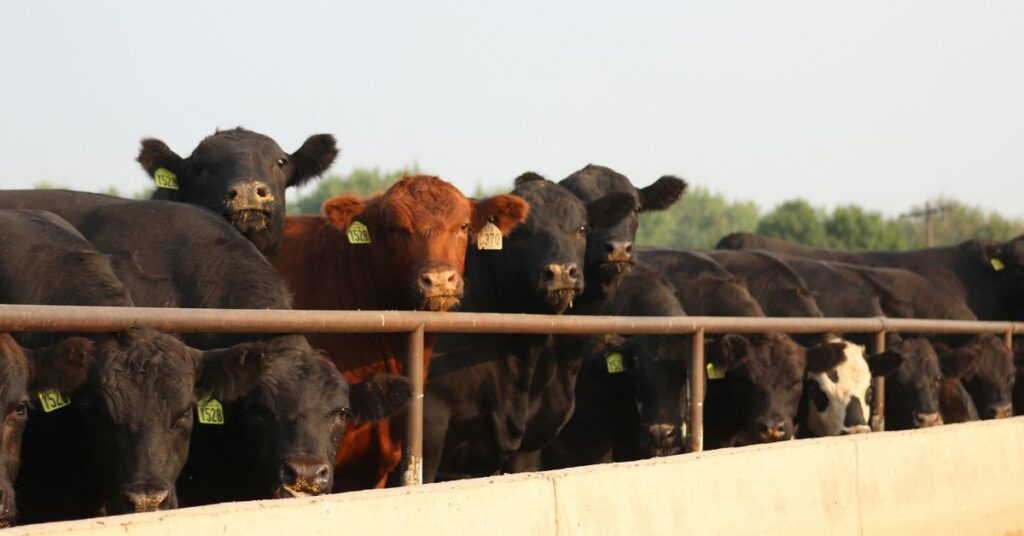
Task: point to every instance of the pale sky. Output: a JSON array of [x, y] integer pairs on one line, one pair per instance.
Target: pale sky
[[879, 103]]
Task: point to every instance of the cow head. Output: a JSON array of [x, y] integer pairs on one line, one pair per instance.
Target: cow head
[[762, 385], [14, 379], [416, 236], [839, 399], [239, 174], [292, 421], [542, 261], [912, 388], [610, 249], [985, 367]]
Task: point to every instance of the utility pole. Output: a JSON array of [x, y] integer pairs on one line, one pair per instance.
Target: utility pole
[[928, 213]]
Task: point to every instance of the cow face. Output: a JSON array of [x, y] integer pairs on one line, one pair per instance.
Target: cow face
[[137, 406], [610, 249], [762, 386], [14, 376], [838, 400], [985, 367], [417, 233], [912, 389], [542, 260], [293, 419], [241, 175]]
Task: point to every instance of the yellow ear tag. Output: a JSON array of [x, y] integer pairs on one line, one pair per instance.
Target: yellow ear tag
[[713, 373], [53, 400], [165, 178], [489, 237], [997, 264], [614, 363], [210, 411], [358, 233]]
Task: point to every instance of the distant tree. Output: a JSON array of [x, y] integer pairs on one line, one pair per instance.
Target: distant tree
[[797, 221], [361, 181], [852, 227], [697, 221]]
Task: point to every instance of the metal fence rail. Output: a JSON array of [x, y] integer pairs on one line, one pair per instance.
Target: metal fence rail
[[416, 323]]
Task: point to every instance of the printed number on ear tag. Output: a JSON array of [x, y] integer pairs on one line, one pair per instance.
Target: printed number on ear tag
[[165, 178], [997, 264], [614, 363], [713, 373], [210, 411], [489, 237], [53, 400], [358, 233]]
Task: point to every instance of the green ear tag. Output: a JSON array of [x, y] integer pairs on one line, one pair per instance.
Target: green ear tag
[[713, 373], [53, 400], [614, 363], [210, 411], [997, 264], [165, 178], [358, 233], [489, 237]]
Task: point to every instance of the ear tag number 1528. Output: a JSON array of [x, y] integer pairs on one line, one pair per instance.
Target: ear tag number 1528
[[210, 411], [53, 400], [166, 179], [358, 233]]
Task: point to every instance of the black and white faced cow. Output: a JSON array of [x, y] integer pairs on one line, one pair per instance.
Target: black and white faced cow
[[610, 249], [239, 174]]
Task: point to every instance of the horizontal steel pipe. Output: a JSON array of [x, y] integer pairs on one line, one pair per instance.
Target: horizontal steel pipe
[[99, 319]]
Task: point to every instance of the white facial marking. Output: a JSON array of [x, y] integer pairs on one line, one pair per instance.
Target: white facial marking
[[854, 380]]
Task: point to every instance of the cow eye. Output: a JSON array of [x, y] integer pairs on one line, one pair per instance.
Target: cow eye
[[464, 227], [282, 162], [21, 410], [583, 230], [184, 419]]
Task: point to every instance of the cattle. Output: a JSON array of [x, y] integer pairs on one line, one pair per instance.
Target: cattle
[[484, 390], [987, 275], [705, 287], [403, 249], [241, 175], [159, 268]]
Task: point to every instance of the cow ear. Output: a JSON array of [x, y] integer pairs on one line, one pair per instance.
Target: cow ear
[[991, 255], [155, 154], [528, 177], [63, 366], [884, 363], [505, 211], [381, 396], [728, 351], [960, 362], [609, 210], [825, 357], [606, 344], [342, 209], [313, 158], [230, 373], [662, 194]]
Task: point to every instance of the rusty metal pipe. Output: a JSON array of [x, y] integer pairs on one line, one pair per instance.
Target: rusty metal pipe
[[412, 446], [1008, 339], [878, 384], [695, 437]]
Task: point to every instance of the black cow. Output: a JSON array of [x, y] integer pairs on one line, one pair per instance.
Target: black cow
[[195, 259], [483, 389], [759, 400], [987, 275], [239, 174]]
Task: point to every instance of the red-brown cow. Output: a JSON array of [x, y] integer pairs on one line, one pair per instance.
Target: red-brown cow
[[403, 249]]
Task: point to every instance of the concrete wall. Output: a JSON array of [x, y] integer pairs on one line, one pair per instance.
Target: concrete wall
[[960, 479]]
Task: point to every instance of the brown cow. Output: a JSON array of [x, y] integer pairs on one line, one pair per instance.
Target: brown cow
[[403, 249]]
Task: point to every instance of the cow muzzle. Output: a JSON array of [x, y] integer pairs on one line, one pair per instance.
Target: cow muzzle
[[146, 498], [440, 289], [1000, 411], [771, 431], [856, 429], [7, 511], [560, 283], [618, 259], [247, 205], [664, 439], [925, 420], [303, 477]]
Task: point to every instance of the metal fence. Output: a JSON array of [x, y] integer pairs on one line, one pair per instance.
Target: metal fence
[[416, 323]]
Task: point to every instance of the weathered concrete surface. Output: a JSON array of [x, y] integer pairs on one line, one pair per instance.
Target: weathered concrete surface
[[961, 479]]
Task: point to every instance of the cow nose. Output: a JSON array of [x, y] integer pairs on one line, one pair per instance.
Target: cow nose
[[924, 420], [304, 476], [147, 500], [438, 282], [773, 430], [664, 435], [618, 250], [562, 276], [249, 195], [1000, 411]]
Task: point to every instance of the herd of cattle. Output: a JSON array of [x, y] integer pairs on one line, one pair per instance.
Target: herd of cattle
[[140, 420]]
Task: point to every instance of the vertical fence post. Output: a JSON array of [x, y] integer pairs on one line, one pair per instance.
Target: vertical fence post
[[1008, 338], [878, 385], [412, 446], [695, 438]]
